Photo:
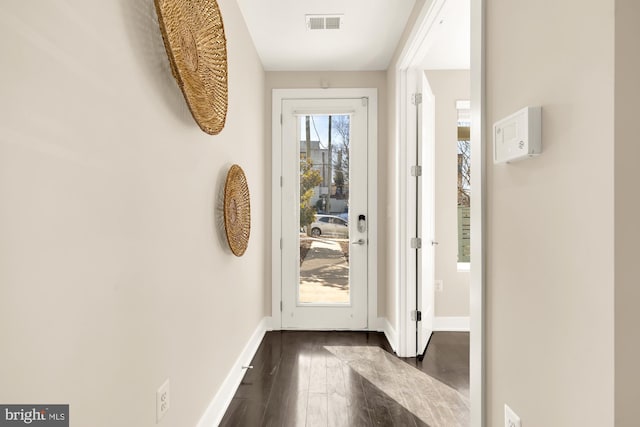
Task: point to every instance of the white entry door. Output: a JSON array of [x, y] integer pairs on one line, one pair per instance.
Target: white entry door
[[325, 225]]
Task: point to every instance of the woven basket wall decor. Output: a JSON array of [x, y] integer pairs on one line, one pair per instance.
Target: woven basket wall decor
[[237, 210], [195, 42]]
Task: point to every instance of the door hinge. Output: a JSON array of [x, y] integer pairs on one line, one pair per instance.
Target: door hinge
[[281, 182], [365, 101], [280, 118], [280, 305], [416, 315], [416, 98], [281, 243], [416, 243], [416, 170]]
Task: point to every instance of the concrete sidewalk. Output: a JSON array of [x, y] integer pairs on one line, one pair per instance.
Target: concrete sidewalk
[[324, 274]]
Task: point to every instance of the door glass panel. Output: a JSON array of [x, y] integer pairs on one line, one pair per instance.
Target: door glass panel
[[324, 210], [464, 182]]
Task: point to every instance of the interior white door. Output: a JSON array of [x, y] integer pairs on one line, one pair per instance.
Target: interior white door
[[324, 272], [426, 212]]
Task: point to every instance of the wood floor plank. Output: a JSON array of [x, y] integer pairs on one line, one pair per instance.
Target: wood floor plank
[[357, 407], [378, 405], [280, 394], [298, 398], [288, 402], [338, 413], [318, 373], [447, 359], [243, 412], [235, 411], [317, 413]]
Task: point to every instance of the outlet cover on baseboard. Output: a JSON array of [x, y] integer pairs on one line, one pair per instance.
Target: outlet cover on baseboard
[[510, 418]]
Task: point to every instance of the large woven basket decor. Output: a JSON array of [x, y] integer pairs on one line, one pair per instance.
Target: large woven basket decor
[[237, 210], [193, 35]]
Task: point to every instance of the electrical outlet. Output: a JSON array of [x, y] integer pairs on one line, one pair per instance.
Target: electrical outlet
[[162, 401], [510, 418], [438, 285]]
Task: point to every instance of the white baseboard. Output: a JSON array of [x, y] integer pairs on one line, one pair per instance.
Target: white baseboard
[[389, 332], [218, 406], [451, 324]]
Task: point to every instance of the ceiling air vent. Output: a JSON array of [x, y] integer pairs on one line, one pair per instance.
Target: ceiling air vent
[[324, 22]]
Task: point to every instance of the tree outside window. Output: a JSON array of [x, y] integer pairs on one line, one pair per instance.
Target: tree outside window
[[464, 181]]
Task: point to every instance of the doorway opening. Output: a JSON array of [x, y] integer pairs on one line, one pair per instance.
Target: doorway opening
[[417, 282]]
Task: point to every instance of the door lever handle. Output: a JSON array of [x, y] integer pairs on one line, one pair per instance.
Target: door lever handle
[[358, 242]]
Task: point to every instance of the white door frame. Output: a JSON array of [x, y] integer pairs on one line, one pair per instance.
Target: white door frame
[[414, 50], [278, 96]]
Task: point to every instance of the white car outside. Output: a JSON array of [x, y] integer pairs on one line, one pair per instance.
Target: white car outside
[[329, 225]]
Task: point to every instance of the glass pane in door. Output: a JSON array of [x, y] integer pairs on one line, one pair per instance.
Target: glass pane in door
[[324, 209]]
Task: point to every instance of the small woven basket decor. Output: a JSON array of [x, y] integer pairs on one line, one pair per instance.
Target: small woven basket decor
[[193, 35], [237, 210]]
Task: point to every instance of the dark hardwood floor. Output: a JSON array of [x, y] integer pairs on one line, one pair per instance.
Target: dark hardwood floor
[[295, 381], [447, 359]]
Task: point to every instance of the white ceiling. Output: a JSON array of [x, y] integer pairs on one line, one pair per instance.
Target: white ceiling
[[367, 40]]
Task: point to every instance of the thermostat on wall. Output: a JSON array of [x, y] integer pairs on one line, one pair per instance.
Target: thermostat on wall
[[518, 136]]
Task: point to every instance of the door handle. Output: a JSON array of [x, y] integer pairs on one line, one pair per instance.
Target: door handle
[[358, 242]]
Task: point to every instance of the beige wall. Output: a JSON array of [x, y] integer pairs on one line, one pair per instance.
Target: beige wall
[[113, 269], [550, 268], [627, 231], [448, 86], [345, 79]]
